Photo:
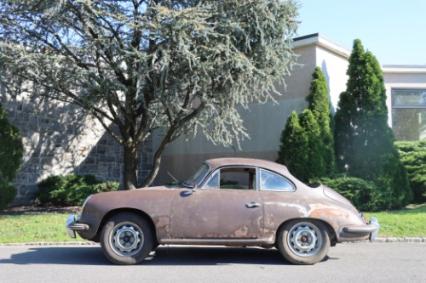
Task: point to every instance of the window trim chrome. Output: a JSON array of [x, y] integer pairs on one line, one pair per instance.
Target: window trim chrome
[[293, 185], [212, 172]]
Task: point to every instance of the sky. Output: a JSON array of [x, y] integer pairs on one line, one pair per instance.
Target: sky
[[394, 30]]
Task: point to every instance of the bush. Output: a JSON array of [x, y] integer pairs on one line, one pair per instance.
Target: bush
[[363, 194], [11, 151], [71, 189], [7, 194], [11, 148], [413, 157]]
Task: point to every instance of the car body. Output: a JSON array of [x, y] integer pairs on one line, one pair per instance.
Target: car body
[[229, 201]]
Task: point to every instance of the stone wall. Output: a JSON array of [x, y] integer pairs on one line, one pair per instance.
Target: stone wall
[[59, 139]]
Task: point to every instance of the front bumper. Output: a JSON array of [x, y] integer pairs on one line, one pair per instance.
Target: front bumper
[[371, 229], [72, 225]]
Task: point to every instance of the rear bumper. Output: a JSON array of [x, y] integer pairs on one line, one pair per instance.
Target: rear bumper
[[73, 226], [369, 230]]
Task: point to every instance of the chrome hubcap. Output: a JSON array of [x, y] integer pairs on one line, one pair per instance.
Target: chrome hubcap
[[126, 239], [304, 239]]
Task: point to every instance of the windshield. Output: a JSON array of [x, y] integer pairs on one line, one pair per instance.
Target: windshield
[[198, 176]]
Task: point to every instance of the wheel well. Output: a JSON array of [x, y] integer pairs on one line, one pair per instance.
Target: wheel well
[[113, 212], [330, 230]]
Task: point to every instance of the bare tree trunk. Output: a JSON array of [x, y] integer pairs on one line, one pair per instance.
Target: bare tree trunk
[[157, 158], [130, 168], [154, 169]]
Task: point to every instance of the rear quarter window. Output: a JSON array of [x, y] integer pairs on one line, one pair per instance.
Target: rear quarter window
[[271, 181]]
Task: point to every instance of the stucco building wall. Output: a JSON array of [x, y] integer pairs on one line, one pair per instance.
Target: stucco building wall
[[264, 122]]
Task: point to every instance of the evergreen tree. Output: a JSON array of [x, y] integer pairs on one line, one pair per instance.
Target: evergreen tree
[[319, 104], [184, 67], [314, 164], [364, 141], [11, 148], [292, 151], [300, 150]]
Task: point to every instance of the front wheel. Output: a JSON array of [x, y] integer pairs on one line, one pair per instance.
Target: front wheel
[[303, 241], [126, 238]]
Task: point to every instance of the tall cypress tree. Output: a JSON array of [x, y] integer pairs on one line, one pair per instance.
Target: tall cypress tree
[[364, 141], [319, 104]]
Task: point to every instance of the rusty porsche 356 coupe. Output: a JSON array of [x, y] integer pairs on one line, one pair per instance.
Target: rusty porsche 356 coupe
[[229, 201]]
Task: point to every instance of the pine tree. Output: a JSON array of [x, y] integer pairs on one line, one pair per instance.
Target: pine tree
[[364, 141], [300, 150], [314, 164], [319, 104], [292, 151]]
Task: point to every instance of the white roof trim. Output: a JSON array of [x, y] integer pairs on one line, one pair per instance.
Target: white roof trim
[[320, 41], [324, 43], [404, 70]]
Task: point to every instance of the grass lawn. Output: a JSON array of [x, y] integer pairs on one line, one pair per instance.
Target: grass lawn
[[409, 222], [50, 226], [34, 227]]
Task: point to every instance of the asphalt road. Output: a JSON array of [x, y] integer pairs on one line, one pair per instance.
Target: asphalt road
[[361, 262]]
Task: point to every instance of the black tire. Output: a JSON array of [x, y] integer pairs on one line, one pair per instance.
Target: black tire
[[127, 220], [290, 251]]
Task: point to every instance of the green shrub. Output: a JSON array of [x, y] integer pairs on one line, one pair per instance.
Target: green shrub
[[413, 157], [11, 148], [11, 151], [71, 189], [7, 194], [363, 194]]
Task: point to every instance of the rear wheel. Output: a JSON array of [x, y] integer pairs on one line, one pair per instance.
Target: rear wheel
[[303, 241], [126, 238]]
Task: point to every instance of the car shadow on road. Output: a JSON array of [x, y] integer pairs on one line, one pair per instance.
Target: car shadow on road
[[162, 256]]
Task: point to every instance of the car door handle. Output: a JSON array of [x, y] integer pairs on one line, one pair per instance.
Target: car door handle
[[252, 204]]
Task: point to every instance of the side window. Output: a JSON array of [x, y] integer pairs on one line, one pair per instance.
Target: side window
[[214, 181], [238, 178], [274, 182]]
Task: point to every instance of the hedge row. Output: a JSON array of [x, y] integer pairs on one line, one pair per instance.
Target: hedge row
[[413, 157]]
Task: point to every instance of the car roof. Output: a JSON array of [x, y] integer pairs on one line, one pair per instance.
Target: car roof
[[240, 161]]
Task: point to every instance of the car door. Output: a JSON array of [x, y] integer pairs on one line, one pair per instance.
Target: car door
[[227, 206]]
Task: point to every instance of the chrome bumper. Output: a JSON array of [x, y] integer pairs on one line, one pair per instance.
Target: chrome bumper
[[371, 228], [72, 225]]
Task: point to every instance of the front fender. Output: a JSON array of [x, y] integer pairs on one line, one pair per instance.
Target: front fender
[[154, 203]]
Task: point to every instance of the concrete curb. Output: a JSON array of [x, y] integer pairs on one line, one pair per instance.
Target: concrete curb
[[50, 244], [88, 243], [400, 240]]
